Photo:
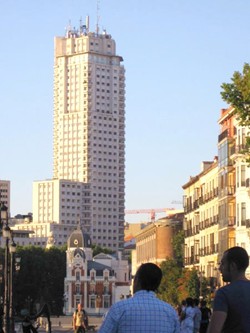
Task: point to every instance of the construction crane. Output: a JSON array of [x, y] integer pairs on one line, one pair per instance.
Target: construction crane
[[153, 211]]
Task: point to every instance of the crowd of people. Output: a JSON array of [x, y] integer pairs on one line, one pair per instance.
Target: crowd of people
[[194, 316], [145, 313]]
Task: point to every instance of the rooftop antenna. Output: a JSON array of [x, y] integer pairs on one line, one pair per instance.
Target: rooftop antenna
[[97, 16]]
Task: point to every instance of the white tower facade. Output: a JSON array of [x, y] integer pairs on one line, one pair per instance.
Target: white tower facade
[[89, 128]]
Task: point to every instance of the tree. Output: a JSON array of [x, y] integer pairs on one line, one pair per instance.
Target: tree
[[178, 245], [168, 290], [172, 270], [237, 94], [40, 279], [98, 249]]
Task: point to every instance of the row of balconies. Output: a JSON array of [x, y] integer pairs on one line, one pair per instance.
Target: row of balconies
[[227, 191], [191, 260], [209, 222], [188, 207], [230, 221], [208, 250]]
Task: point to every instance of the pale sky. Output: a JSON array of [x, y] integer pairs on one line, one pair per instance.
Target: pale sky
[[176, 53]]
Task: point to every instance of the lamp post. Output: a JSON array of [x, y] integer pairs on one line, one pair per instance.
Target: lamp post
[[201, 285], [12, 250], [10, 247]]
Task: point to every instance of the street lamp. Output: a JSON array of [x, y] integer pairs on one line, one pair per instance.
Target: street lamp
[[201, 284], [10, 249]]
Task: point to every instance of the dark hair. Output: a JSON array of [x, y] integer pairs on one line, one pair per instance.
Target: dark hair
[[239, 256], [149, 276], [189, 301], [203, 303], [196, 301]]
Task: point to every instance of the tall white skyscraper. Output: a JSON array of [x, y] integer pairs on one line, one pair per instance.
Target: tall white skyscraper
[[89, 130]]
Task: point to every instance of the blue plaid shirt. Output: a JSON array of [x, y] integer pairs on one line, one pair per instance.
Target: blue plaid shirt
[[142, 313]]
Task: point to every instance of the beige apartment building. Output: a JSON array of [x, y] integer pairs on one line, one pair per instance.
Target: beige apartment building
[[201, 220], [88, 139], [217, 202]]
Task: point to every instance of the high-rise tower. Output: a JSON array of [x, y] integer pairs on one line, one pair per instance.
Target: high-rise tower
[[89, 129]]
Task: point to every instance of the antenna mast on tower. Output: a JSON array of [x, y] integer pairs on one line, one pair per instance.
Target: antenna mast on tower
[[97, 16]]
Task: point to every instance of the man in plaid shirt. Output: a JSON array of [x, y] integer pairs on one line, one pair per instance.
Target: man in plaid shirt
[[144, 312]]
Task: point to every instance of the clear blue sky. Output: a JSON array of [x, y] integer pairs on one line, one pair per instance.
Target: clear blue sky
[[176, 53]]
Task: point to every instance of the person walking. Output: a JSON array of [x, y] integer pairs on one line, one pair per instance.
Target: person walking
[[80, 321], [197, 316], [231, 302], [144, 312], [187, 322], [205, 316]]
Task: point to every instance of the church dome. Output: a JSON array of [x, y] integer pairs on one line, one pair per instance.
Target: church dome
[[79, 239]]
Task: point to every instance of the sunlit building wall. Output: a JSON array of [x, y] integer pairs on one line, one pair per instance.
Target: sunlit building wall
[[89, 134], [201, 221]]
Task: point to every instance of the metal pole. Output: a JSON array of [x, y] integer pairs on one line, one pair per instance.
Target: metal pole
[[11, 293], [6, 289]]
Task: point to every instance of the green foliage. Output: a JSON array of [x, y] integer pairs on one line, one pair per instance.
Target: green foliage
[[178, 246], [168, 289], [193, 284], [178, 283], [98, 249], [237, 94], [41, 278]]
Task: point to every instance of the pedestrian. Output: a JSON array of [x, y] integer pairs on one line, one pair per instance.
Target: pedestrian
[[187, 320], [182, 310], [80, 319], [205, 316], [231, 302], [143, 312], [197, 316], [27, 325]]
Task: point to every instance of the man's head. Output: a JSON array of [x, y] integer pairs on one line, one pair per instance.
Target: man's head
[[234, 263], [79, 306], [148, 277], [196, 301], [203, 303]]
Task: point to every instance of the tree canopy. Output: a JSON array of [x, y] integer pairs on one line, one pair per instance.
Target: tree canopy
[[40, 278], [178, 282], [237, 94]]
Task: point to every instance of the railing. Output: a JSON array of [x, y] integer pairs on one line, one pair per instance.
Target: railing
[[223, 135]]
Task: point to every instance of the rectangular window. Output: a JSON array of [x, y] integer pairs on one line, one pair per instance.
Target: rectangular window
[[106, 301], [243, 175], [243, 213], [92, 301]]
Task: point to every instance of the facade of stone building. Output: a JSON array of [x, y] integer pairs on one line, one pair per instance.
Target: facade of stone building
[[96, 282], [217, 202], [154, 242]]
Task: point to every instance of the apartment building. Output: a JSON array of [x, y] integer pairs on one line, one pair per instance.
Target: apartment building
[[88, 138], [217, 202], [226, 179], [154, 242], [5, 193], [201, 220]]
